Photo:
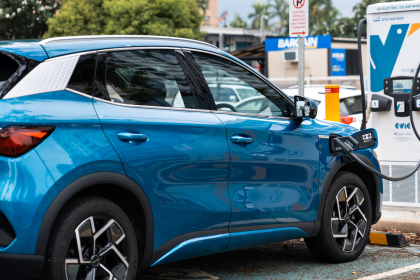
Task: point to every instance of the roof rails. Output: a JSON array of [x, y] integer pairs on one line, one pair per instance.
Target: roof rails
[[93, 37]]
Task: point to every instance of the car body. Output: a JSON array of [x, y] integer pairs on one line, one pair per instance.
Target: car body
[[350, 102], [89, 121]]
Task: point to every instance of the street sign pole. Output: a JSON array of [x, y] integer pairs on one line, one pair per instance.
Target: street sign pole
[[301, 66], [298, 27]]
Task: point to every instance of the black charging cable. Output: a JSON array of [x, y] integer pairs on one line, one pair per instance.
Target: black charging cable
[[362, 81]]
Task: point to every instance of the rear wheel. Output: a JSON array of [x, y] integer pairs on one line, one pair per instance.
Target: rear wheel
[[93, 239], [345, 222]]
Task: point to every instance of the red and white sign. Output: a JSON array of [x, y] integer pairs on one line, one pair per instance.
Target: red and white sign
[[298, 18]]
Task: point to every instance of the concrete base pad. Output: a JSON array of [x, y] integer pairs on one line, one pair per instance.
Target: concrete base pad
[[387, 224]]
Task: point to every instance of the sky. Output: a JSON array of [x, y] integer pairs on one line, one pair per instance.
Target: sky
[[244, 7]]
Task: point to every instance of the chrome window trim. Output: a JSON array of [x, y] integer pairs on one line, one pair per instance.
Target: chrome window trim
[[92, 37], [69, 55], [324, 136], [152, 107], [258, 76], [250, 115], [138, 48], [78, 92]]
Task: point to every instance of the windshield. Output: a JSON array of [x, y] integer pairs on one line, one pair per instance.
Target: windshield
[[351, 105], [245, 93]]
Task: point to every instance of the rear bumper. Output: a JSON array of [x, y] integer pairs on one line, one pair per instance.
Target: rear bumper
[[16, 266]]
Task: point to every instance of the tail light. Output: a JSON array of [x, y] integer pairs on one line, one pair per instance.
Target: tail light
[[346, 119], [18, 140]]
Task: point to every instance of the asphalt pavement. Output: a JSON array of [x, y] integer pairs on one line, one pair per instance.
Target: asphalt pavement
[[292, 260]]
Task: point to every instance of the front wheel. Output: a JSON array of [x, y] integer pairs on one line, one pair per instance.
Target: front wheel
[[92, 239], [345, 222]]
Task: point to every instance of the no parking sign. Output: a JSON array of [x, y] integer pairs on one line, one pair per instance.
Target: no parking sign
[[298, 18]]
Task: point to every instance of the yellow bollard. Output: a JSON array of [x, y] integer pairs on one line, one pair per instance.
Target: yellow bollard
[[332, 103]]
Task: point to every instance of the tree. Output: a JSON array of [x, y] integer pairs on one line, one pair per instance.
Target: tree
[[259, 10], [238, 22], [178, 18], [280, 9], [25, 19], [347, 27], [323, 17]]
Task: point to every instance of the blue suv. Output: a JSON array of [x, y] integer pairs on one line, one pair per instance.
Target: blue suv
[[124, 152]]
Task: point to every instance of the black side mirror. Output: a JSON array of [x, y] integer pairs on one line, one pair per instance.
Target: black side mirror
[[304, 108]]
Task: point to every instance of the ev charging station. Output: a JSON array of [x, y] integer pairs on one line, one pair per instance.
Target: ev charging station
[[393, 42]]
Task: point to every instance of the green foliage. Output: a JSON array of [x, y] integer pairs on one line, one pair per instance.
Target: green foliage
[[259, 10], [347, 27], [280, 9], [25, 19], [178, 18], [238, 22], [77, 17], [322, 18]]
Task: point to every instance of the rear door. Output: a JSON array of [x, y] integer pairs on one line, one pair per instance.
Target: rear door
[[168, 140], [274, 167]]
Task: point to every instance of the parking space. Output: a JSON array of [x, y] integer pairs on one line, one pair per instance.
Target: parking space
[[292, 260]]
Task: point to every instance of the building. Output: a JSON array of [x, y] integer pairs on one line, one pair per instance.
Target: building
[[231, 39], [327, 59], [211, 17]]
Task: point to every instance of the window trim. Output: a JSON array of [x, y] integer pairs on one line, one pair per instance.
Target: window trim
[[259, 77], [146, 106]]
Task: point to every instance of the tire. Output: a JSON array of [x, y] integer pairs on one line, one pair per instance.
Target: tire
[[113, 236], [343, 234]]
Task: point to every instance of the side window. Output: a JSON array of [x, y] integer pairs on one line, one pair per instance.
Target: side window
[[83, 74], [147, 77], [237, 89]]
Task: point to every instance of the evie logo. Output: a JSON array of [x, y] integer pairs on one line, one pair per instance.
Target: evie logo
[[402, 126], [377, 19]]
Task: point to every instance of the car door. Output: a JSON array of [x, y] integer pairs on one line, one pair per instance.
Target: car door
[[273, 175], [167, 139]]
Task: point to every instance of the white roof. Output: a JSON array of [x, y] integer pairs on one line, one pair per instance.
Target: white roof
[[392, 7]]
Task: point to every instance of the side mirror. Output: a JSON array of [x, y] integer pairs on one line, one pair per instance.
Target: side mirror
[[304, 108]]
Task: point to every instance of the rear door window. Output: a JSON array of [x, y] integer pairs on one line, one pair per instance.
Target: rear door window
[[147, 77], [83, 74]]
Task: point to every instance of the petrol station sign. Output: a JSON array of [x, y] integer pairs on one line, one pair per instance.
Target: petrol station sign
[[298, 18]]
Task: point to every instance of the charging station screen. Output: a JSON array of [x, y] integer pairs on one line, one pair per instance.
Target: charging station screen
[[402, 85]]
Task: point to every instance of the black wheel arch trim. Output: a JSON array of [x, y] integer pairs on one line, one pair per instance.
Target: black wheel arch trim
[[159, 252], [376, 215], [108, 178], [19, 266]]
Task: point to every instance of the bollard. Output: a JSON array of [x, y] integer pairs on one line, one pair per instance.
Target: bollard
[[332, 103]]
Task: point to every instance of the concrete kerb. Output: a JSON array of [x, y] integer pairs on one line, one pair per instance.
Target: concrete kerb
[[404, 219]]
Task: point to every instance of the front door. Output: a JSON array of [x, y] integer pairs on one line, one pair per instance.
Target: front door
[[274, 160], [176, 151]]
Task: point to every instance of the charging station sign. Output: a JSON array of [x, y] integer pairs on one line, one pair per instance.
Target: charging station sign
[[298, 18]]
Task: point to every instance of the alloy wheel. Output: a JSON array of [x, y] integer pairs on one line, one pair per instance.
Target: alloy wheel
[[97, 251], [348, 221]]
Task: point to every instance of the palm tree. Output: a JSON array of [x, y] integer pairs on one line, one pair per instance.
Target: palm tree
[[238, 22], [259, 10], [280, 9]]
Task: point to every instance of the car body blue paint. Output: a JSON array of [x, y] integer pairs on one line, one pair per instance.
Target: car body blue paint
[[27, 48], [272, 180], [196, 247], [194, 177], [77, 147], [213, 244], [183, 167], [24, 185]]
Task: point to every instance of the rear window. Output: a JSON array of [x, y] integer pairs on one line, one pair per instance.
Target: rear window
[[7, 68]]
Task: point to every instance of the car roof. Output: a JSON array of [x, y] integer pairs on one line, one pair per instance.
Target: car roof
[[53, 47]]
